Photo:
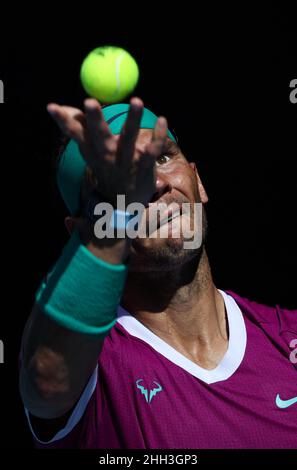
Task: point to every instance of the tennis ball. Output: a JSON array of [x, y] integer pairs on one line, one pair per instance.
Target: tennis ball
[[109, 74]]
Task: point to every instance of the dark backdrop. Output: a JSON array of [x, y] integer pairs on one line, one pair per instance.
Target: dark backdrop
[[222, 79]]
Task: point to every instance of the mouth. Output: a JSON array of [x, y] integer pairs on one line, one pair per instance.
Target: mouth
[[157, 217], [169, 217]]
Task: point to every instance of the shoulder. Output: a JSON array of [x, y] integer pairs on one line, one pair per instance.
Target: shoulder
[[282, 318]]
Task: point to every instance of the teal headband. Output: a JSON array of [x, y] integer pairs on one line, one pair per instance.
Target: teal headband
[[72, 166]]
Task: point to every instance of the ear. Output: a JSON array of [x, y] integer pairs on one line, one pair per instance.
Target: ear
[[202, 192], [70, 224]]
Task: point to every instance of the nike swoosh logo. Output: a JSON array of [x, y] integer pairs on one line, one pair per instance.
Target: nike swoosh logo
[[284, 403]]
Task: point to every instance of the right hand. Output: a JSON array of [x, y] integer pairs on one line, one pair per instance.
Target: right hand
[[119, 166]]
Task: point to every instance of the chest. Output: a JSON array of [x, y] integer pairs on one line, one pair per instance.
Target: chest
[[165, 406]]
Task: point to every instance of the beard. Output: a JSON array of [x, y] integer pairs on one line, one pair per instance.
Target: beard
[[164, 254]]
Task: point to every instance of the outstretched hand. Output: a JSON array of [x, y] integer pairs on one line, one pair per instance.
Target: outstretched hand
[[119, 166]]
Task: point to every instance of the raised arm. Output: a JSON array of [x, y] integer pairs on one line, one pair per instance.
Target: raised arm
[[75, 309]]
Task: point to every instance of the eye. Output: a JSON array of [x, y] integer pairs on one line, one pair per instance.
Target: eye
[[163, 159]]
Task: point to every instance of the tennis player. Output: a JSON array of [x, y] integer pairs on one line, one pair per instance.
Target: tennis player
[[130, 344]]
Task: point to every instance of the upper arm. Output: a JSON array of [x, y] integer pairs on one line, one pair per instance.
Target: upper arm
[[51, 431]]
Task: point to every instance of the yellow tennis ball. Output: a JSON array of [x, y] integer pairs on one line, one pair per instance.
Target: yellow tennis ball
[[109, 74]]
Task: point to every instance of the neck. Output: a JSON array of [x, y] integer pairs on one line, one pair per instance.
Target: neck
[[183, 307]]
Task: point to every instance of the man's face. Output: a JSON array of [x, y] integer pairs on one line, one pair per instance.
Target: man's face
[[177, 181]]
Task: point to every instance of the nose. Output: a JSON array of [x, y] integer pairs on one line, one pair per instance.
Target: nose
[[162, 186]]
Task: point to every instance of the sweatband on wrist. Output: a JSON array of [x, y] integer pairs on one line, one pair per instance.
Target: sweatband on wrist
[[82, 292]]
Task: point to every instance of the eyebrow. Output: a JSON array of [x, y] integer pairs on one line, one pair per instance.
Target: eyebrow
[[170, 145]]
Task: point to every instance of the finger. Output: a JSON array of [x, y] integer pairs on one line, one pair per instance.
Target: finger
[[160, 130], [129, 132], [69, 120], [98, 129], [146, 173], [145, 162], [157, 145]]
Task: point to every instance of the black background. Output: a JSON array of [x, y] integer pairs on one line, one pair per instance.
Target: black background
[[221, 76]]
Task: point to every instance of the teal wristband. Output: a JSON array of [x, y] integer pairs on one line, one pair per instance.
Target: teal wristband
[[82, 292]]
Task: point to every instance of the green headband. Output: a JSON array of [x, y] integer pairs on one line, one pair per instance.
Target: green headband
[[72, 166]]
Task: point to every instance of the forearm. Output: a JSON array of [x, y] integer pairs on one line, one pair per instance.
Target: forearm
[[57, 361]]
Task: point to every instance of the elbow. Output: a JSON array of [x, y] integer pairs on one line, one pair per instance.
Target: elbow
[[45, 384]]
